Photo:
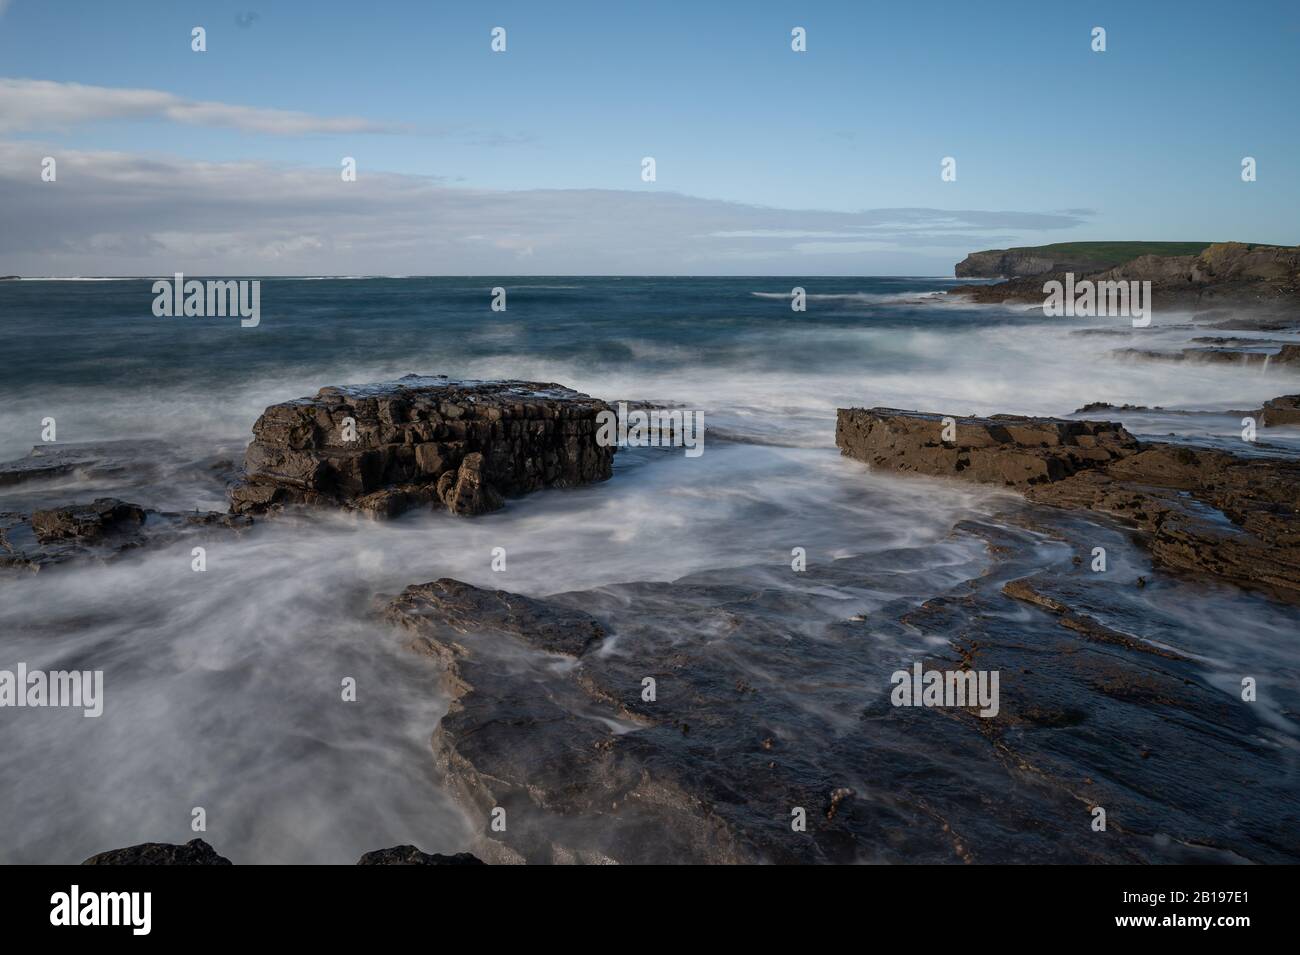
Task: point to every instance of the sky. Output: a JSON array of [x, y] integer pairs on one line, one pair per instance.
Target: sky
[[529, 161]]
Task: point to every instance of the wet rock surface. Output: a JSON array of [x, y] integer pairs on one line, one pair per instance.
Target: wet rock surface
[[194, 852], [104, 529], [1244, 353], [82, 460], [1010, 450], [1199, 510], [1284, 410], [752, 719], [381, 449]]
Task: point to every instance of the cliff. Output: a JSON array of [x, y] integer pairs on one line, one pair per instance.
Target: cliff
[[1223, 273], [1077, 257]]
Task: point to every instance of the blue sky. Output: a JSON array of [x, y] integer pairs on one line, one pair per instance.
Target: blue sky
[[1061, 143]]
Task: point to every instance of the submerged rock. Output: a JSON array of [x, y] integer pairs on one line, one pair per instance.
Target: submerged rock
[[1246, 354], [194, 852], [104, 529], [1201, 510], [381, 449], [85, 461]]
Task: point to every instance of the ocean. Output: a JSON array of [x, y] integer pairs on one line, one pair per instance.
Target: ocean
[[222, 687]]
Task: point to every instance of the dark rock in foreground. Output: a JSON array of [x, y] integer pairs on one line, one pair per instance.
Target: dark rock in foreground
[[198, 852], [1201, 510], [194, 852], [463, 445], [410, 855], [104, 529], [755, 716]]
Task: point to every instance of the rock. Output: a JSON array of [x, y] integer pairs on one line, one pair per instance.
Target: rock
[[549, 744], [194, 852], [410, 855], [85, 461], [781, 716], [464, 444], [105, 529], [457, 608], [198, 852], [90, 522], [1245, 354], [1095, 406], [465, 491], [1280, 411], [1201, 511], [1009, 450]]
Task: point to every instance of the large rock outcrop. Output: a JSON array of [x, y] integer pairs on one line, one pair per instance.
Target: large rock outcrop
[[1201, 510], [383, 448]]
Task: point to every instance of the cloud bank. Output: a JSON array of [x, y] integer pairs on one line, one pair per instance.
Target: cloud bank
[[113, 213]]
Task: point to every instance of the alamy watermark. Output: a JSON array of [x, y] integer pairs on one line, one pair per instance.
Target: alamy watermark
[[651, 428], [75, 907], [923, 687], [211, 299], [70, 688], [1088, 299]]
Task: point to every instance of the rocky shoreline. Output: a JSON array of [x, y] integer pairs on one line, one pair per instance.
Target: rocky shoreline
[[1224, 274], [1198, 510], [654, 722]]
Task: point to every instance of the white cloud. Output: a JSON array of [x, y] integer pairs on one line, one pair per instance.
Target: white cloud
[[113, 213], [27, 105]]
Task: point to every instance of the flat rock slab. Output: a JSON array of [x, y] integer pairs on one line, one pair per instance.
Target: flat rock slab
[[1201, 511], [753, 717], [83, 460], [1246, 354], [383, 448], [1009, 450]]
